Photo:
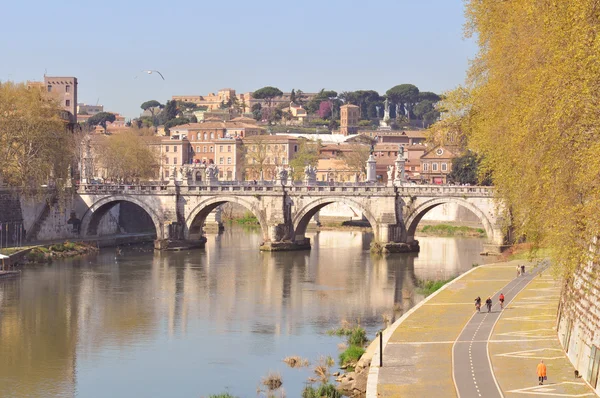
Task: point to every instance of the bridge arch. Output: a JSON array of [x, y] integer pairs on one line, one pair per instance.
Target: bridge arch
[[199, 213], [95, 213], [304, 215], [412, 221]]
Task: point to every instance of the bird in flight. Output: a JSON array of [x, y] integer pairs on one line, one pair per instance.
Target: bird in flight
[[152, 71]]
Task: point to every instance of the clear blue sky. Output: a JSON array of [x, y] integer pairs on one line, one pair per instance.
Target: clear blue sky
[[201, 46]]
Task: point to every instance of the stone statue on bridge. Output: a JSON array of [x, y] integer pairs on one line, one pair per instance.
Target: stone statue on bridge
[[390, 172], [310, 173], [212, 173]]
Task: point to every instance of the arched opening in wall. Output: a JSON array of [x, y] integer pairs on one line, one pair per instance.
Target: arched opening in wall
[[213, 218], [334, 214], [121, 217], [448, 219]]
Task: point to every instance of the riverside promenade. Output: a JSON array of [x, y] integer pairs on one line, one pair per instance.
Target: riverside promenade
[[443, 348]]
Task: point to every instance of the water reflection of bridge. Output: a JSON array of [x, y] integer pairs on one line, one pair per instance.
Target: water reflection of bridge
[[67, 316]]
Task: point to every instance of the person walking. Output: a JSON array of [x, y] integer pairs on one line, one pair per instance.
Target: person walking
[[522, 269], [478, 304], [488, 303], [541, 372], [518, 270], [501, 299]]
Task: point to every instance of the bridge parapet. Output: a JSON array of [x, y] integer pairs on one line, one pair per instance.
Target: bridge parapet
[[242, 187]]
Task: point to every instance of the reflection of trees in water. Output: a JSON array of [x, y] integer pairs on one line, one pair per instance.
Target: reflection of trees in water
[[60, 314]]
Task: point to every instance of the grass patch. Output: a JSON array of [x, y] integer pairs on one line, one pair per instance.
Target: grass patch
[[272, 381], [526, 252], [429, 287], [247, 219], [296, 361], [357, 337], [12, 250], [452, 230], [351, 355], [326, 390]]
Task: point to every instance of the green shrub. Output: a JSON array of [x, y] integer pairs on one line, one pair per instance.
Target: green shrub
[[351, 355], [357, 337], [451, 230], [326, 390], [429, 287]]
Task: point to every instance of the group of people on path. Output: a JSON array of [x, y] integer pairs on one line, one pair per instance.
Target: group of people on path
[[520, 270], [488, 303]]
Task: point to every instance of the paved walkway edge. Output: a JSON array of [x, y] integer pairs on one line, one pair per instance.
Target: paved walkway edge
[[373, 377]]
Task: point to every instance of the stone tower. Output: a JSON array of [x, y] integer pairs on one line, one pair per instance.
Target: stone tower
[[349, 116]]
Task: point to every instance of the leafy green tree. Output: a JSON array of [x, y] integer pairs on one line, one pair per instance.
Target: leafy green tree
[[425, 111], [170, 111], [152, 106], [101, 119], [293, 96], [405, 95], [176, 122], [466, 170], [267, 94], [308, 154], [428, 96], [186, 105]]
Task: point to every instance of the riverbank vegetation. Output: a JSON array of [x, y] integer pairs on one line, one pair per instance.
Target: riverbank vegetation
[[431, 286], [453, 230], [60, 250], [532, 120], [247, 219]]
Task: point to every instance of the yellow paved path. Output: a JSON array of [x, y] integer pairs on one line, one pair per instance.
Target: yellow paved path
[[418, 356]]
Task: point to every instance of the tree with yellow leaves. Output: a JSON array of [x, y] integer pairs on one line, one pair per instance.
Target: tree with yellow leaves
[[530, 109], [36, 142]]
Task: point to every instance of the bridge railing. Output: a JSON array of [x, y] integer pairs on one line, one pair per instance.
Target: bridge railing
[[270, 186]]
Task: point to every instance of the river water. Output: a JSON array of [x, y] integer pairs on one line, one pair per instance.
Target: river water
[[191, 324]]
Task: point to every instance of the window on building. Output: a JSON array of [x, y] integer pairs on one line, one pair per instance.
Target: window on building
[[205, 136], [221, 148], [221, 160], [229, 160], [283, 161], [434, 167], [212, 136], [212, 149], [204, 149], [444, 167], [166, 148], [67, 89], [198, 149], [228, 148], [425, 166], [174, 148], [174, 160], [49, 87], [67, 102]]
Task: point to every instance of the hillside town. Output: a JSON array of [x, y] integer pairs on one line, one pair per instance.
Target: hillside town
[[249, 135]]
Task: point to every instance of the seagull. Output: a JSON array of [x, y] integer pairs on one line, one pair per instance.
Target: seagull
[[150, 72]]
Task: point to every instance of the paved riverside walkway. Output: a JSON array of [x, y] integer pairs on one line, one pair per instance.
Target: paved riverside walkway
[[420, 351]]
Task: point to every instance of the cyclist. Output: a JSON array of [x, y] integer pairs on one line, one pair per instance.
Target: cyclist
[[478, 304], [488, 303]]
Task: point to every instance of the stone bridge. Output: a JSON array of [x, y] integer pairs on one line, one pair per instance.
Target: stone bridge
[[178, 211]]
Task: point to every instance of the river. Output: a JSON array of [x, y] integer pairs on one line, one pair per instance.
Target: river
[[191, 324]]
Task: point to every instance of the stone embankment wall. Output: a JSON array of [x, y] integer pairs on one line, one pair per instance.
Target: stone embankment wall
[[579, 322]]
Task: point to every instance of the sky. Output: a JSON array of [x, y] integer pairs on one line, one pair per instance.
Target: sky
[[202, 46]]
